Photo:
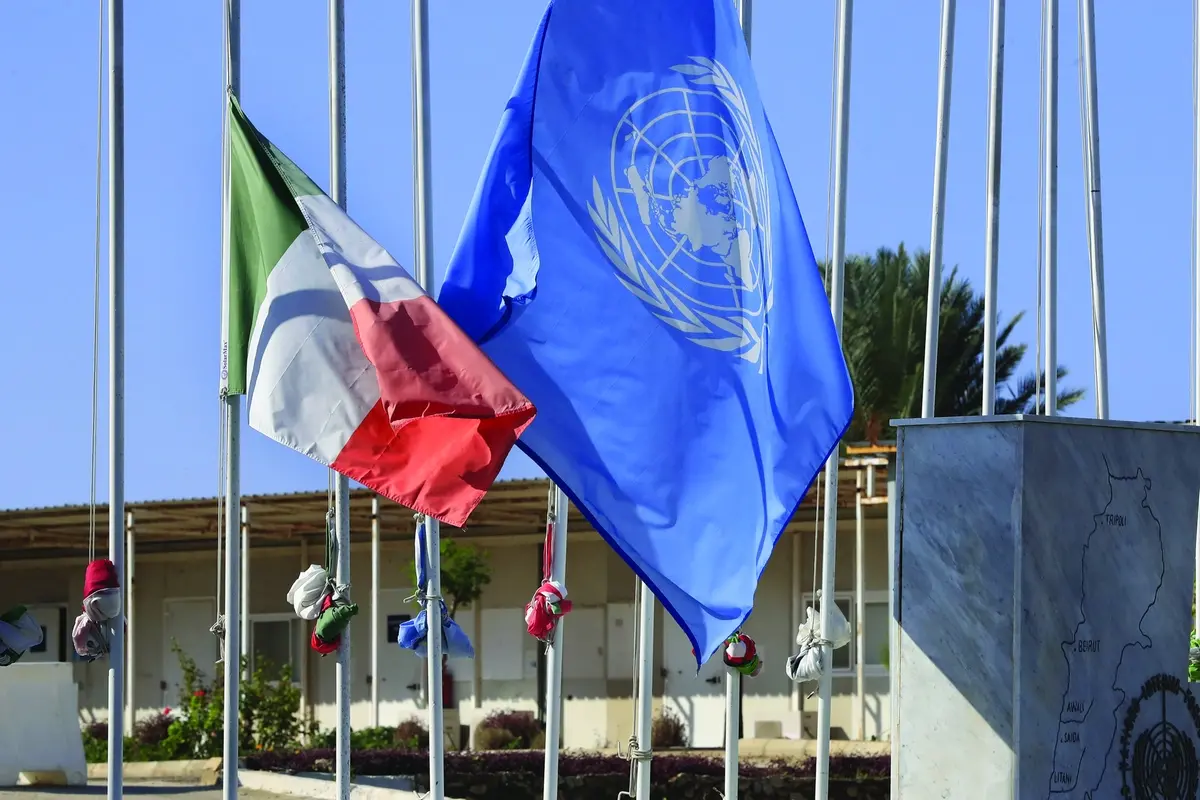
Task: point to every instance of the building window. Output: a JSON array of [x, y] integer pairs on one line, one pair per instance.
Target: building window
[[274, 643], [876, 619]]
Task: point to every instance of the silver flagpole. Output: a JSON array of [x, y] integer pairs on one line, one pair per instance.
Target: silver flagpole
[[1196, 261], [644, 702], [233, 424], [1091, 149], [845, 17], [1050, 203], [941, 151], [995, 119], [423, 238], [554, 651], [116, 383], [733, 678], [745, 14], [341, 484]]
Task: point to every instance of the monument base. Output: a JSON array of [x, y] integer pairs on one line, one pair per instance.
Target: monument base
[[1044, 572]]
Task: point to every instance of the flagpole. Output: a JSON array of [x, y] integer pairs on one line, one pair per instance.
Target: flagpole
[[733, 678], [845, 15], [1050, 205], [231, 447], [554, 650], [341, 484], [423, 240], [995, 114], [1095, 228], [116, 384], [1196, 264], [745, 14], [645, 690], [940, 159]]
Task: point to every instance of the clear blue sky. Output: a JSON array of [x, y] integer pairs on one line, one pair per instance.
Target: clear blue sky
[[174, 105]]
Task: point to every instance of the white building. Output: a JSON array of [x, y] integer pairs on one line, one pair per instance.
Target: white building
[[173, 568]]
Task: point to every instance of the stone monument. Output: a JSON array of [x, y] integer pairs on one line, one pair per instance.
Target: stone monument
[[1044, 571]]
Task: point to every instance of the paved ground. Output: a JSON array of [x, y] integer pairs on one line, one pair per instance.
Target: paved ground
[[143, 791]]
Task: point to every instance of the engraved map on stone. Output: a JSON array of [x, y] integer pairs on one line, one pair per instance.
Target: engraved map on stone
[[1121, 575]]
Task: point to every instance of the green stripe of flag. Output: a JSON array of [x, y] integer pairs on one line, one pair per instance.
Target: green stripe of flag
[[264, 221]]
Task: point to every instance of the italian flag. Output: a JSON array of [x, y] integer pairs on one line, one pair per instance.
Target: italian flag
[[341, 354]]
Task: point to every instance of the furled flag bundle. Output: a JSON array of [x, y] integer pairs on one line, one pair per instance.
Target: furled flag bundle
[[316, 596], [414, 633], [808, 662], [635, 261], [101, 605]]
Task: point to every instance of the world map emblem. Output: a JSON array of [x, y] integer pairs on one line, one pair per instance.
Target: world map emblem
[[684, 214]]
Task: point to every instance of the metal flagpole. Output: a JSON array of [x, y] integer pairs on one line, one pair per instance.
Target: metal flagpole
[[995, 115], [116, 381], [940, 158], [645, 690], [845, 15], [733, 713], [1050, 203], [423, 240], [733, 678], [375, 526], [745, 14], [341, 484], [1196, 261], [554, 651], [233, 428], [1091, 148]]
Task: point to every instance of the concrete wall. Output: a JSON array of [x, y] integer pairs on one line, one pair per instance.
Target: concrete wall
[[173, 599]]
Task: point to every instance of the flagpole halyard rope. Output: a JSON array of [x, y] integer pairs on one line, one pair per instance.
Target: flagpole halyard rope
[[96, 286]]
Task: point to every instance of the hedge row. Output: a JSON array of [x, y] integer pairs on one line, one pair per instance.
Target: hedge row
[[663, 767], [517, 774]]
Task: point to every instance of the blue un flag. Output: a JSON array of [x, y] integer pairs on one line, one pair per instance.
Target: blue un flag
[[635, 262]]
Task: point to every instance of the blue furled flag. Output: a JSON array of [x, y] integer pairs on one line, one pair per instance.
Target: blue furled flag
[[635, 262]]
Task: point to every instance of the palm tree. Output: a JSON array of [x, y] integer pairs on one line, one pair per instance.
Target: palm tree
[[884, 342]]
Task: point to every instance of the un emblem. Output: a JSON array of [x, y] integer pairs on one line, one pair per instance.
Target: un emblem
[[1158, 742], [686, 221]]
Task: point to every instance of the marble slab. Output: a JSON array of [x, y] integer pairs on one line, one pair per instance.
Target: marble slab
[[1044, 574]]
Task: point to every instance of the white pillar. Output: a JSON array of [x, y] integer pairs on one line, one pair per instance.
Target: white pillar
[[797, 618], [245, 627], [305, 700], [860, 609], [893, 630], [375, 525]]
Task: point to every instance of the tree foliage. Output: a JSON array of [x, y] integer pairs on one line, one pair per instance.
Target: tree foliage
[[884, 342], [466, 571]]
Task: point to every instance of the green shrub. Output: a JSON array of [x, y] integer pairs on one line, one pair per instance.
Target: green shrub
[[268, 718]]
